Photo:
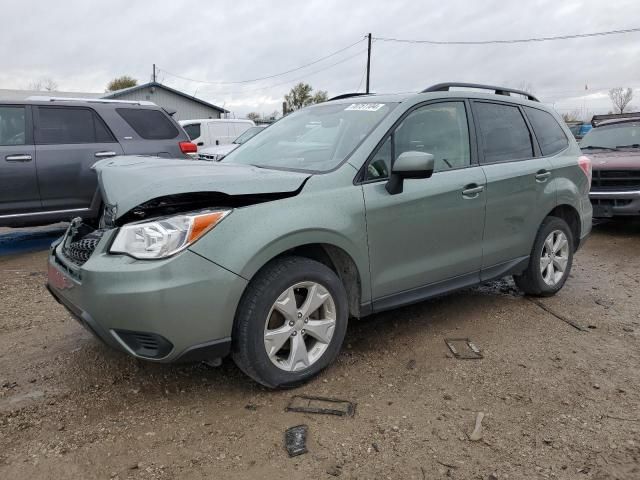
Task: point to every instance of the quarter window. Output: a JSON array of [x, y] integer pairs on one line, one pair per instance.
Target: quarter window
[[12, 126], [505, 136], [440, 129], [550, 135], [193, 130], [149, 124], [63, 125]]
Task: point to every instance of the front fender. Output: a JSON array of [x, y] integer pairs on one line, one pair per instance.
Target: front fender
[[251, 236]]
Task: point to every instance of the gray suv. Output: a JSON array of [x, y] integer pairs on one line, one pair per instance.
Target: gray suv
[[391, 199], [48, 146]]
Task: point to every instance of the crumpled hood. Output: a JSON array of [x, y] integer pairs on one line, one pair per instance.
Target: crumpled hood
[[128, 181], [607, 160]]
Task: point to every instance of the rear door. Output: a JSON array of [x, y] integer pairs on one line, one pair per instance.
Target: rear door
[[18, 179], [69, 140], [519, 190]]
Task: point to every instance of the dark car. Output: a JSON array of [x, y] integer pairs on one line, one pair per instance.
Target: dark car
[[48, 146], [614, 148]]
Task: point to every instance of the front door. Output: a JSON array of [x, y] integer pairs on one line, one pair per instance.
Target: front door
[[432, 231], [69, 140], [18, 179]]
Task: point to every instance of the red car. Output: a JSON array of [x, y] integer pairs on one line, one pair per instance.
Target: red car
[[614, 148]]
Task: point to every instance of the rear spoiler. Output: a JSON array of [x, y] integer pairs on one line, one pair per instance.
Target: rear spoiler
[[629, 117]]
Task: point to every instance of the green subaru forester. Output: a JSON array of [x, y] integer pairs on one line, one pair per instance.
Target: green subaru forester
[[343, 209]]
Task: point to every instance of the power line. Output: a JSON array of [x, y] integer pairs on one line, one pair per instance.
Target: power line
[[268, 76], [294, 79], [519, 40]]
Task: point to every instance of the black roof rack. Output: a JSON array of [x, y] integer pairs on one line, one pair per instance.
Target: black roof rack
[[445, 87], [348, 95], [621, 117]]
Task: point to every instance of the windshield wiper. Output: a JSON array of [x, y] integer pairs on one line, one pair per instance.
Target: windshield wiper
[[597, 147], [633, 145]]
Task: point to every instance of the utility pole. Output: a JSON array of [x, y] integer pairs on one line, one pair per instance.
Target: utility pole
[[368, 59], [154, 73]]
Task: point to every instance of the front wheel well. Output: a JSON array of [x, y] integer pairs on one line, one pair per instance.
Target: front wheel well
[[570, 215], [342, 265]]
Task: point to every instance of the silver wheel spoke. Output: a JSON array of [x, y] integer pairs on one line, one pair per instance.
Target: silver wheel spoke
[[560, 263], [559, 244], [298, 357], [286, 305], [321, 330], [548, 243], [275, 339], [316, 297], [544, 262]]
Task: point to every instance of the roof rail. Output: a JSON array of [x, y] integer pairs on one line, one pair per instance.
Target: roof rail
[[445, 87], [44, 98], [626, 117], [348, 95]]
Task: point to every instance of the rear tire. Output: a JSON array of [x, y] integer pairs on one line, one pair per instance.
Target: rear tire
[[290, 323], [550, 260]]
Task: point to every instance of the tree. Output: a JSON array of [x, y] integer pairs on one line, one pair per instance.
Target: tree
[[302, 95], [125, 81], [620, 98], [253, 116], [44, 83], [571, 116]]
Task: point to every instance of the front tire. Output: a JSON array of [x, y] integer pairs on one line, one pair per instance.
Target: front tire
[[550, 260], [290, 323]]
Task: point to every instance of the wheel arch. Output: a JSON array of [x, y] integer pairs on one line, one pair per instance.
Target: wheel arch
[[569, 214], [335, 257]]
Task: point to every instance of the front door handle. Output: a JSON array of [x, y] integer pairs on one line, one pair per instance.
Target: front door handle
[[542, 176], [472, 191], [18, 158], [105, 154]]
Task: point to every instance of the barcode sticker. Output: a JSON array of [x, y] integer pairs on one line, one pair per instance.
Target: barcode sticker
[[365, 107]]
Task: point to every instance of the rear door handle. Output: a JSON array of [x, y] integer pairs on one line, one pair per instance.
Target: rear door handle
[[105, 154], [472, 191], [542, 176], [18, 158]]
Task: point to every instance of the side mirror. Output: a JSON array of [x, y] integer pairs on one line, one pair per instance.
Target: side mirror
[[409, 165]]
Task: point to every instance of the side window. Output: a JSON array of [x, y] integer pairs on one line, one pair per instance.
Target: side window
[[193, 130], [440, 129], [550, 135], [149, 124], [505, 136], [61, 125], [13, 126], [380, 165], [103, 134]]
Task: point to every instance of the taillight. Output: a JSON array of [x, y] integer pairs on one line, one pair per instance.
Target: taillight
[[188, 147], [585, 165]]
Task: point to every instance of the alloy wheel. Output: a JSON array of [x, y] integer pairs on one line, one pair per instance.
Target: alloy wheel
[[300, 326], [554, 258]]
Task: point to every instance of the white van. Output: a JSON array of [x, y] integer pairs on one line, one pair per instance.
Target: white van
[[219, 131]]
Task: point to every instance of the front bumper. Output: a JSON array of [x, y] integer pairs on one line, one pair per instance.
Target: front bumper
[[177, 309], [607, 204]]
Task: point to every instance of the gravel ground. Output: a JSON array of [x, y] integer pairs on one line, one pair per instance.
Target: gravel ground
[[558, 402]]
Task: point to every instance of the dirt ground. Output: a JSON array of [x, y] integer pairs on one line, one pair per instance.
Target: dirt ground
[[558, 402]]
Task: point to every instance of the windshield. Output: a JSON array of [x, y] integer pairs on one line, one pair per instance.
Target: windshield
[[247, 135], [317, 138], [612, 136]]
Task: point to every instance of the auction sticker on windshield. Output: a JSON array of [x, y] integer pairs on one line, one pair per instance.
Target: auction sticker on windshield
[[365, 107]]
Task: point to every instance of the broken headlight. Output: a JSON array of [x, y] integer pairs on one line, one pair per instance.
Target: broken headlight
[[163, 237]]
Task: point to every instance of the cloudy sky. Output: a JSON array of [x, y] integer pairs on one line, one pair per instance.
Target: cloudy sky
[[82, 45]]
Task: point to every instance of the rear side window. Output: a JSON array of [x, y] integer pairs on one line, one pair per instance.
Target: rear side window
[[13, 126], [193, 130], [505, 136], [63, 125], [149, 124], [550, 135]]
